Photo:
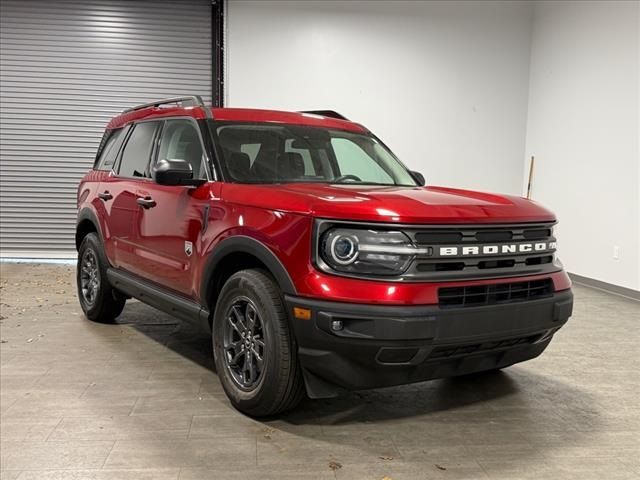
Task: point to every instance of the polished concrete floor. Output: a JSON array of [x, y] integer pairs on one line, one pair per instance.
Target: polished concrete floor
[[140, 400]]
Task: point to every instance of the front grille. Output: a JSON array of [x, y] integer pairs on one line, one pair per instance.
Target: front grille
[[468, 252], [478, 295]]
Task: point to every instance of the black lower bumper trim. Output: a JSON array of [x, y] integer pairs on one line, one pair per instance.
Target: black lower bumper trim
[[354, 346]]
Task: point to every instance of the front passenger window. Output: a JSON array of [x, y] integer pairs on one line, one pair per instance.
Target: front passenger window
[[180, 141]]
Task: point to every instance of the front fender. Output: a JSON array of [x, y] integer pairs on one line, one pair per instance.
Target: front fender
[[251, 246]]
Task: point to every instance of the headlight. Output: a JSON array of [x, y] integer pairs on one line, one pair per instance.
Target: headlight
[[343, 249], [368, 252]]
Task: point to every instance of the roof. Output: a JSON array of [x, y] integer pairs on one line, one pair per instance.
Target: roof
[[250, 115]]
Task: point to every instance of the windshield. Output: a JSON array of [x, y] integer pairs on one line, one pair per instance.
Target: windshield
[[290, 153]]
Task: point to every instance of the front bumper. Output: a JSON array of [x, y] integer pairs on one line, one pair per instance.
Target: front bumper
[[377, 346]]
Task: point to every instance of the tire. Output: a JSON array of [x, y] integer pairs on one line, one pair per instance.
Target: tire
[[277, 384], [104, 303]]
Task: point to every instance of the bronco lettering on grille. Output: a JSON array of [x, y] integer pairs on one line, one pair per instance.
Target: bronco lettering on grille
[[469, 250]]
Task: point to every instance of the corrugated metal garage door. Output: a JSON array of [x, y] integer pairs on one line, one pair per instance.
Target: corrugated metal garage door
[[66, 67]]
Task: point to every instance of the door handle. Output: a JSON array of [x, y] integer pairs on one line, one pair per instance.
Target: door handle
[[146, 202], [106, 196]]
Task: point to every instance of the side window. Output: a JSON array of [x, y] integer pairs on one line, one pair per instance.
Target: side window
[[137, 151], [181, 141], [110, 150], [353, 160]]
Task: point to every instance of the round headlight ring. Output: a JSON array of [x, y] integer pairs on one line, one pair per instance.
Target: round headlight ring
[[344, 249]]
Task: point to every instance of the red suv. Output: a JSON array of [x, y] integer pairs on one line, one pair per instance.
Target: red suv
[[318, 260]]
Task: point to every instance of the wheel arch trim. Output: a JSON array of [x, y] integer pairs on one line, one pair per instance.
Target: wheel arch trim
[[251, 246], [87, 214]]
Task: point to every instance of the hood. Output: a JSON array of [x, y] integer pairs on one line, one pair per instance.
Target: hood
[[389, 204]]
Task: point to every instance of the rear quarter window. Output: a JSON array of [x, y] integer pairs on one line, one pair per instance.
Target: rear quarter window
[[109, 148]]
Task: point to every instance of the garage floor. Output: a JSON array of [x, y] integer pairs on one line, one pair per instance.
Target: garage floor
[[139, 400]]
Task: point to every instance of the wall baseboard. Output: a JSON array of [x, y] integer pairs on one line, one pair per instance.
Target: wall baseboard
[[36, 261], [607, 287], [34, 256]]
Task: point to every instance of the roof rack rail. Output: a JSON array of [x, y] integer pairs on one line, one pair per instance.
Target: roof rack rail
[[195, 100], [327, 113]]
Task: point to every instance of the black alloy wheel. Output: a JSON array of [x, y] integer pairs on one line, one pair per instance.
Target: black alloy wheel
[[244, 346]]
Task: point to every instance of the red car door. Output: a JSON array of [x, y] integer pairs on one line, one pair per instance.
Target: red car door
[[171, 227], [121, 190]]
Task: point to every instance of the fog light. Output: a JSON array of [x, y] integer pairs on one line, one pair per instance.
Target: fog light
[[336, 325]]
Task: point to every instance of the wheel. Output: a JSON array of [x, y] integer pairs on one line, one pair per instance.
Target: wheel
[[254, 350], [99, 301]]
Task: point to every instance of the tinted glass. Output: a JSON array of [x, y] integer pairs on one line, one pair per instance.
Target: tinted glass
[[304, 152], [288, 153], [135, 157], [180, 140], [353, 160], [110, 150]]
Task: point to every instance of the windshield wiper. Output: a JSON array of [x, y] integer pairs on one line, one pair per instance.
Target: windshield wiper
[[367, 183]]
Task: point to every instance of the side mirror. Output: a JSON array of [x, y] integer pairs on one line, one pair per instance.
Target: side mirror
[[173, 171], [418, 177]]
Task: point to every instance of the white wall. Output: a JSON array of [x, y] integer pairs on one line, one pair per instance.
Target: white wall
[[583, 128], [444, 84]]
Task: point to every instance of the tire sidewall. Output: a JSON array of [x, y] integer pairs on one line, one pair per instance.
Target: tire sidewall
[[262, 394], [91, 242]]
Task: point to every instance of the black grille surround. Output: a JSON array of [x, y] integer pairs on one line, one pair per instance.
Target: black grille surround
[[442, 250], [479, 295], [481, 266]]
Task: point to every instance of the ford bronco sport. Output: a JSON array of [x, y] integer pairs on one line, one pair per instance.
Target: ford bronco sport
[[319, 261]]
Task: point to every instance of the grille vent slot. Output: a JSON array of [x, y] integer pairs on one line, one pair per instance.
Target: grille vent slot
[[538, 234], [478, 295], [438, 237], [499, 236]]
